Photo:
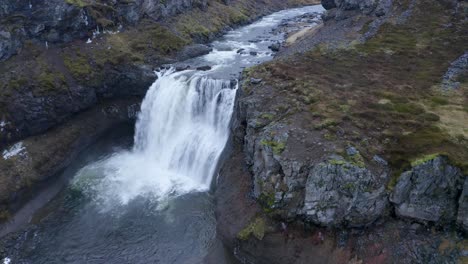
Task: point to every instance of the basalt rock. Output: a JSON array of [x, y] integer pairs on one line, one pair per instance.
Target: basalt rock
[[429, 192], [339, 193]]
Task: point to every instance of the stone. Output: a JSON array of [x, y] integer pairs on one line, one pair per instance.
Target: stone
[[351, 151], [428, 192], [255, 81], [380, 160], [338, 193], [204, 68], [328, 4], [275, 47]]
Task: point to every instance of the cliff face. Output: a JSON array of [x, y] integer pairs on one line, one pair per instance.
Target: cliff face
[[51, 71], [348, 128]]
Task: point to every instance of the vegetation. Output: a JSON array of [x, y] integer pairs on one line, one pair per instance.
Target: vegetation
[[383, 95], [276, 146], [255, 228]]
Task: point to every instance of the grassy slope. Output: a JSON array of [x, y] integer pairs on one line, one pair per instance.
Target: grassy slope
[[382, 96]]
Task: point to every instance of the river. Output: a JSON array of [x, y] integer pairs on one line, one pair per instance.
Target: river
[[142, 195]]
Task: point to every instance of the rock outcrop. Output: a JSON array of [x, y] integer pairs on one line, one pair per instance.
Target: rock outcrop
[[339, 193], [430, 191]]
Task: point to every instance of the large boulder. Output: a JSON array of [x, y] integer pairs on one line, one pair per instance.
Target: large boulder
[[340, 193], [429, 191]]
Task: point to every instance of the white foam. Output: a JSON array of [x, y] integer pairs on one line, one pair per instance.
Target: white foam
[[180, 134], [7, 260]]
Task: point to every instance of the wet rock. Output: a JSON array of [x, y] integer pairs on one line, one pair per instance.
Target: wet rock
[[192, 51], [275, 47], [253, 53], [204, 68], [182, 67], [462, 218], [338, 193], [239, 51], [255, 81], [428, 192]]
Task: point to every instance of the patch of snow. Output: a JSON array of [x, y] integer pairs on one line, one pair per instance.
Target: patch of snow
[[7, 260], [3, 124], [30, 5], [89, 41], [16, 149]]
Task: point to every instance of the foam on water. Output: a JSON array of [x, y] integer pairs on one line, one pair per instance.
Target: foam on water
[[180, 134]]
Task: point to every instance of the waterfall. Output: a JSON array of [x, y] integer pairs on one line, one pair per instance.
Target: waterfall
[[184, 124], [181, 132]]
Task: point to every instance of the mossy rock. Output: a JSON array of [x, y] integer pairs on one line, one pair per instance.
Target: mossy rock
[[256, 228]]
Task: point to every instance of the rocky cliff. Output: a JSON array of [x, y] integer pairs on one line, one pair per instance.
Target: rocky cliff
[[61, 57], [351, 127], [72, 69]]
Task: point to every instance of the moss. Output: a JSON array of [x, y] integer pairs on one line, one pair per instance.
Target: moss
[[267, 116], [49, 80], [17, 83], [276, 147], [326, 123], [255, 228], [357, 160], [337, 162], [78, 66], [267, 201], [424, 159]]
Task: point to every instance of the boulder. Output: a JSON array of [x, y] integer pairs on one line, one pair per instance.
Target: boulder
[[339, 193], [428, 192], [328, 4]]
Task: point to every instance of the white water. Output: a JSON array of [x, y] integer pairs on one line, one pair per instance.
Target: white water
[[183, 125], [180, 134]]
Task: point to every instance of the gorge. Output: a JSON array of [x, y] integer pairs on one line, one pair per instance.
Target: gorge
[[333, 133]]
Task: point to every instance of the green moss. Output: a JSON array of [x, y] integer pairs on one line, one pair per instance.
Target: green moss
[[255, 228], [329, 122], [337, 162], [424, 159], [357, 160], [267, 201], [267, 116], [78, 66], [49, 80], [17, 83], [276, 147]]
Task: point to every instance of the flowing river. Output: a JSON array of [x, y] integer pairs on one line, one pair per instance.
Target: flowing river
[[147, 200]]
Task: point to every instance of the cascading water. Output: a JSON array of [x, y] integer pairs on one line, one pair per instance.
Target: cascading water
[[180, 134]]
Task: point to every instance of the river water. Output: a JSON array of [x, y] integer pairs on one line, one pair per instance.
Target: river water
[[142, 195]]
